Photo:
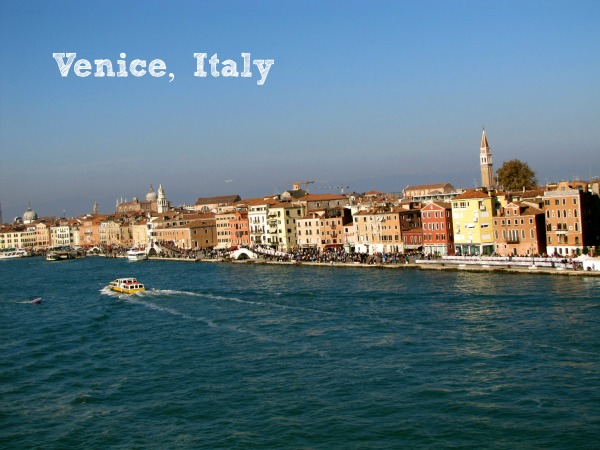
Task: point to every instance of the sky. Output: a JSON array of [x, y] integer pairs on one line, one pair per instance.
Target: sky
[[370, 95]]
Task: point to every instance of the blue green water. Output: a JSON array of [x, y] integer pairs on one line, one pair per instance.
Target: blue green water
[[219, 355]]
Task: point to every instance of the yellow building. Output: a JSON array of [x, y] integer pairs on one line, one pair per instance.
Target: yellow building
[[472, 220]]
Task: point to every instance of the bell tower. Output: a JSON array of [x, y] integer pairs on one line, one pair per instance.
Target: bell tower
[[485, 161], [162, 203]]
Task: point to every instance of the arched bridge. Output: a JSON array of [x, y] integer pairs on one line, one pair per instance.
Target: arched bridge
[[243, 253]]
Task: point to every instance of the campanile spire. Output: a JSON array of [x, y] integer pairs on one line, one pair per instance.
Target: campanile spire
[[485, 161]]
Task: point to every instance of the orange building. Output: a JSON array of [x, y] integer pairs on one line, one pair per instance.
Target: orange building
[[519, 230], [239, 228], [323, 229], [572, 218]]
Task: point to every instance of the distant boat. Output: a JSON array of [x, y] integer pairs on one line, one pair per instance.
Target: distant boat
[[53, 257], [136, 255], [126, 286], [13, 254], [37, 300]]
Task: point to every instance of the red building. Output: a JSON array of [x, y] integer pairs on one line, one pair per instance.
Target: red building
[[438, 236]]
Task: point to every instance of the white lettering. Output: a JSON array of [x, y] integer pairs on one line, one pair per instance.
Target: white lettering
[[100, 63], [157, 64], [81, 66], [133, 67], [64, 68], [263, 67], [200, 57], [213, 65], [122, 66], [229, 69], [246, 73]]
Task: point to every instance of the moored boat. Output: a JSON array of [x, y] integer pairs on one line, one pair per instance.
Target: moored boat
[[52, 256], [136, 255], [13, 254], [126, 286]]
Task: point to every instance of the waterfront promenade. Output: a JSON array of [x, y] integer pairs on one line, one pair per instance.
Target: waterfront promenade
[[411, 265]]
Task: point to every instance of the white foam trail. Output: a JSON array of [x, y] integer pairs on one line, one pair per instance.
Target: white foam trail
[[234, 299], [131, 298]]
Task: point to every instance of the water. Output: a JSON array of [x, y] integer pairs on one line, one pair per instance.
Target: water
[[218, 355]]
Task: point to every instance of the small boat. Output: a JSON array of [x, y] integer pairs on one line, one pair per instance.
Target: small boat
[[37, 300], [136, 255], [63, 255], [13, 254], [126, 286], [52, 257]]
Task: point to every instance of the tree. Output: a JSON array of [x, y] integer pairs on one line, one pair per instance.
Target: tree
[[515, 175]]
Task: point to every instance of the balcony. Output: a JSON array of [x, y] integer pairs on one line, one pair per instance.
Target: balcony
[[513, 240]]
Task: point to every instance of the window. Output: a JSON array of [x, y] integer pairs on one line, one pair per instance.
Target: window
[[574, 213], [532, 233]]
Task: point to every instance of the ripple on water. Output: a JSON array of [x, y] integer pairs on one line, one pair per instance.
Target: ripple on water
[[243, 356]]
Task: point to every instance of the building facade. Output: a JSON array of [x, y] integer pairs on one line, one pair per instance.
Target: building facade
[[572, 219], [519, 230], [472, 221], [438, 234]]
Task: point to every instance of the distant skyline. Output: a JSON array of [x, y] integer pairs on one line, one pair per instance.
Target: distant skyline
[[371, 95]]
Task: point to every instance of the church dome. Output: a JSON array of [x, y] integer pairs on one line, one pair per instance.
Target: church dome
[[30, 215], [151, 196]]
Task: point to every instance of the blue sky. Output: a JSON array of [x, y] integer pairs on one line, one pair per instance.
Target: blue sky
[[373, 95]]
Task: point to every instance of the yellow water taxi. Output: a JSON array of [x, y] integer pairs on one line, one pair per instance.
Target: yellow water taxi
[[126, 286]]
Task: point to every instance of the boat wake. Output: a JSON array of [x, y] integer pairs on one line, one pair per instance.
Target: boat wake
[[137, 299], [169, 292]]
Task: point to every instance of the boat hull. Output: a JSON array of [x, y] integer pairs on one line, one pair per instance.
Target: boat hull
[[126, 291], [13, 254], [136, 255]]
